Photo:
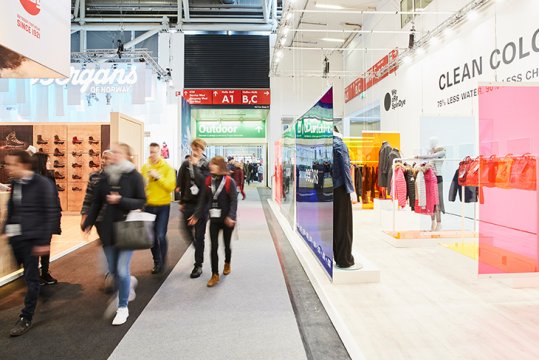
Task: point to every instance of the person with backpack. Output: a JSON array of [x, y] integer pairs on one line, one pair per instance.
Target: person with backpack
[[191, 184], [221, 202]]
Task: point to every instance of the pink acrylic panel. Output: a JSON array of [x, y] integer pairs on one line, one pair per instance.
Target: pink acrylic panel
[[508, 217]]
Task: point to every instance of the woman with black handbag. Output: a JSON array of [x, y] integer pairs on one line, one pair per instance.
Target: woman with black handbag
[[121, 188]]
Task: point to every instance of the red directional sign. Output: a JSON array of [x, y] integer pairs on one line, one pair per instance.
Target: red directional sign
[[227, 97], [255, 97], [198, 97]]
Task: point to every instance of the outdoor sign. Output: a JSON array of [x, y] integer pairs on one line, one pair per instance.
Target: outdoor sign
[[35, 38], [231, 129], [227, 97]]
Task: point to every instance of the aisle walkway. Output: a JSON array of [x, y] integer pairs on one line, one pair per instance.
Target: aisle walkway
[[248, 315]]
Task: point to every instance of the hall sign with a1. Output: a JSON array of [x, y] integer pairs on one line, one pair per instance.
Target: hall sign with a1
[[231, 129], [251, 97]]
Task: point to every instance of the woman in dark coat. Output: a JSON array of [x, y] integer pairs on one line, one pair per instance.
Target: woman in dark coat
[[42, 167], [121, 188]]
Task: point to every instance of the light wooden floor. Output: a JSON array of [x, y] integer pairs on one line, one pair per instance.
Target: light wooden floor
[[72, 236], [430, 304]]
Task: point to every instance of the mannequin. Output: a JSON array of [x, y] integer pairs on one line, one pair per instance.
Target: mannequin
[[342, 206], [436, 157]]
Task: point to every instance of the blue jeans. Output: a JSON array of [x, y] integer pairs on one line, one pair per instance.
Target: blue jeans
[[160, 246], [119, 261]]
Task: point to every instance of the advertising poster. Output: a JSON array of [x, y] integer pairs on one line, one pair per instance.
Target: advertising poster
[[28, 30], [185, 128], [314, 186], [288, 162]]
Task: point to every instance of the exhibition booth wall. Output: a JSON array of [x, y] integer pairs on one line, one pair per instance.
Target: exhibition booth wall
[[90, 94]]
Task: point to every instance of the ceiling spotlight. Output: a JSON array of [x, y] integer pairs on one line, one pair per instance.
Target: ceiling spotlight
[[283, 41], [420, 51], [411, 38], [286, 30], [407, 59], [333, 40], [448, 32]]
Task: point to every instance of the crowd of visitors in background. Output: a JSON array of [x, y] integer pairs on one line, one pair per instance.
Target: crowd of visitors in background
[[207, 191]]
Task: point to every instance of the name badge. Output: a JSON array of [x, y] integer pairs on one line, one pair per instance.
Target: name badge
[[13, 230], [215, 213], [194, 190]]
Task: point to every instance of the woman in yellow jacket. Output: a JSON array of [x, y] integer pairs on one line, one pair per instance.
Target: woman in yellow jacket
[[160, 181]]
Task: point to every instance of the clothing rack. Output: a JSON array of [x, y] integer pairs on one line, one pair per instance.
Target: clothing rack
[[462, 208]]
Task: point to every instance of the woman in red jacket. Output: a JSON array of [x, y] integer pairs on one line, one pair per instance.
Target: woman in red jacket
[[239, 177]]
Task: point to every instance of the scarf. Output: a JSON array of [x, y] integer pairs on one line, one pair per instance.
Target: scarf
[[115, 171]]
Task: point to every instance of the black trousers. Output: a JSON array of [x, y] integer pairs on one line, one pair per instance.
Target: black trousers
[[22, 250], [196, 233], [342, 228], [215, 228]]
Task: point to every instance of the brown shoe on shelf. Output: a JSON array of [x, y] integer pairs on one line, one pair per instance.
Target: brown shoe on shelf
[[76, 153], [76, 141], [41, 141], [58, 175], [214, 280], [92, 141], [227, 269], [57, 140], [58, 152], [76, 177]]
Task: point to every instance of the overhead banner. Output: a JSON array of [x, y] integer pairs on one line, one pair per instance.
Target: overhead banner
[[35, 38], [231, 129], [251, 97]]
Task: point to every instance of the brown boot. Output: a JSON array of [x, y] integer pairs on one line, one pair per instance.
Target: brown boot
[[214, 280], [227, 269]]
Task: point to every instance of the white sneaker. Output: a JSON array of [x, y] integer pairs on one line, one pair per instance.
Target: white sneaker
[[121, 316], [132, 293]]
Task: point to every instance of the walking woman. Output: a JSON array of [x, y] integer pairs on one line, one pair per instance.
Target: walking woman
[[239, 177], [42, 166], [121, 188], [222, 201]]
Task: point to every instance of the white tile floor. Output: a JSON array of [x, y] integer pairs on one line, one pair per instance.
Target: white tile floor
[[429, 304]]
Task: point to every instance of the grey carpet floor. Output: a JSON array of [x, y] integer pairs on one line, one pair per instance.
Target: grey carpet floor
[[248, 315]]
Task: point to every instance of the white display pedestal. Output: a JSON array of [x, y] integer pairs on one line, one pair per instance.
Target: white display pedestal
[[369, 273]]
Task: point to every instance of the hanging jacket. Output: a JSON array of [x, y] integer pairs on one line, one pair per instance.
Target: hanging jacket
[[383, 169], [394, 154], [358, 180], [421, 190], [471, 193], [431, 182], [410, 187], [400, 186]]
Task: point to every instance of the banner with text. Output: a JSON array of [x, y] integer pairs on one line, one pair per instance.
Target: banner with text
[[35, 38], [252, 97], [231, 129]]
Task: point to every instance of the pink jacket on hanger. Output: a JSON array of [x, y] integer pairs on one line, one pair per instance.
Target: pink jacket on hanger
[[400, 186], [431, 187]]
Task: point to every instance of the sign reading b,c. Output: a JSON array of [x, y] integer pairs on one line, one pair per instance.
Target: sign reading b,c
[[32, 7]]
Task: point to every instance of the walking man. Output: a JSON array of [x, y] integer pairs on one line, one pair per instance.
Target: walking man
[[29, 225], [191, 181], [160, 180]]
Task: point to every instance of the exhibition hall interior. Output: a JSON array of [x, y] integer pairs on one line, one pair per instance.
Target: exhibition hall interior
[[269, 179]]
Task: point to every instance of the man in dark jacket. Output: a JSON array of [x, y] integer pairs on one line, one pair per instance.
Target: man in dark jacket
[[29, 225], [191, 177]]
